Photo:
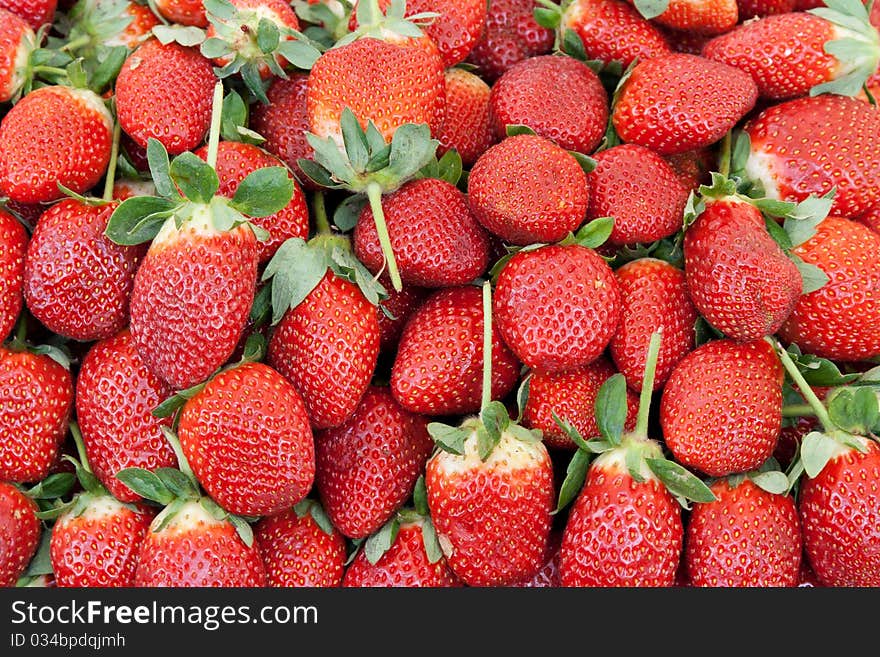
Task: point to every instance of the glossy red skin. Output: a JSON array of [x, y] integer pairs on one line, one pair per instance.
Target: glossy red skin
[[746, 538], [435, 238], [235, 161], [35, 12], [115, 397], [184, 12], [20, 532], [165, 92], [77, 282], [404, 564], [560, 98], [721, 408], [711, 17], [840, 513], [783, 53], [640, 190], [681, 102], [693, 167], [328, 347], [809, 145], [466, 126], [752, 8], [13, 247], [557, 307], [298, 553], [98, 552], [510, 36], [439, 362], [139, 29], [621, 533], [548, 576], [400, 305], [654, 296], [247, 438], [738, 277], [572, 396], [36, 395], [612, 30], [191, 298], [15, 35], [52, 136], [526, 189], [367, 467], [824, 322], [871, 218]]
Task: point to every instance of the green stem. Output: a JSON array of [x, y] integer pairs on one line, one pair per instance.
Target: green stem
[[725, 154], [319, 206], [70, 46], [374, 194], [19, 339], [487, 345], [111, 168], [648, 385], [80, 447], [797, 410], [49, 69], [812, 400], [216, 114]]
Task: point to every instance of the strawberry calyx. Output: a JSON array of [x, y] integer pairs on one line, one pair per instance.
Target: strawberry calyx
[[328, 20], [19, 343], [856, 46], [768, 478], [92, 27], [388, 26], [313, 508]]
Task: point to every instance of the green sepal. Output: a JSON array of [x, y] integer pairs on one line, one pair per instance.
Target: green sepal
[[431, 541], [548, 15], [495, 420], [855, 410], [138, 219], [295, 270], [380, 542], [448, 438], [184, 35], [593, 445], [52, 487], [819, 371], [347, 213], [196, 178], [651, 8], [243, 529], [318, 514], [177, 483], [160, 170], [611, 408], [516, 129], [420, 496], [522, 396], [264, 192], [572, 45], [146, 484], [775, 482], [171, 405], [816, 450], [595, 233], [345, 265], [586, 163], [575, 475], [679, 481]]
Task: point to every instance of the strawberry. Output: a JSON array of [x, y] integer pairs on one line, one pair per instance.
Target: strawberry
[[793, 54], [557, 307], [115, 397], [560, 98], [247, 438], [36, 12], [91, 24], [700, 16], [397, 310], [636, 187], [813, 144], [748, 536], [871, 218], [437, 242], [528, 189], [300, 548], [466, 126], [17, 42], [822, 322], [184, 12], [164, 92], [693, 167], [20, 532], [13, 246], [53, 135], [125, 188], [548, 576], [367, 467], [571, 396], [680, 102], [654, 296], [756, 8], [77, 282], [721, 408]]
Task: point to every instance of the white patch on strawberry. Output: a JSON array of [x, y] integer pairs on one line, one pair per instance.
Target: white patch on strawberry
[[759, 168], [191, 517], [95, 103], [510, 454]]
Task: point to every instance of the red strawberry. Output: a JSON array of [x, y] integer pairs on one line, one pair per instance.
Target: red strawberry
[[17, 42], [164, 92], [53, 135], [823, 322], [654, 297], [20, 532], [756, 8], [680, 102], [437, 242], [693, 167], [636, 187], [91, 24], [527, 189], [184, 12], [298, 552], [13, 246], [36, 12], [700, 16], [466, 125], [813, 144], [721, 409], [548, 576], [871, 218], [115, 397], [557, 307], [560, 98], [397, 310], [124, 189], [746, 537]]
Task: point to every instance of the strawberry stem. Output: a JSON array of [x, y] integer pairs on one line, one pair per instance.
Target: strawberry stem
[[797, 410], [214, 134], [319, 207], [648, 385], [374, 194], [80, 447], [111, 167], [725, 154], [812, 400], [487, 345]]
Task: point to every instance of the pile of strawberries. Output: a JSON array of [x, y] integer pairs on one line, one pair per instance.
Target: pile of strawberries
[[439, 293]]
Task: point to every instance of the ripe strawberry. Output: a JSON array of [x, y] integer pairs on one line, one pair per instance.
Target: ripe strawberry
[[91, 24], [757, 8], [466, 125], [19, 533], [399, 305], [53, 135], [126, 188], [436, 370], [747, 537], [164, 92], [184, 12], [77, 282], [557, 307], [871, 218], [298, 551], [721, 408], [367, 467], [437, 242], [548, 576], [247, 438], [654, 297], [36, 394], [36, 12], [813, 144], [693, 167], [571, 395], [680, 102], [701, 17], [13, 246], [527, 189], [17, 42], [560, 98], [115, 397], [823, 322], [738, 277], [636, 187]]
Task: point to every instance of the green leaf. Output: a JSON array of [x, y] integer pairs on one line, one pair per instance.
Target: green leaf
[[586, 163], [380, 542], [778, 234], [420, 496], [573, 45], [432, 543], [53, 486], [354, 140], [611, 408], [300, 54], [160, 170], [854, 409], [522, 396], [138, 219], [449, 439], [450, 167], [243, 529], [772, 482], [411, 149], [233, 116], [264, 192], [347, 266], [812, 277], [651, 8], [41, 562], [515, 129], [575, 475], [222, 9], [146, 484], [817, 448], [196, 178], [680, 481], [176, 482], [268, 36], [596, 233], [295, 270]]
